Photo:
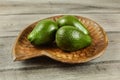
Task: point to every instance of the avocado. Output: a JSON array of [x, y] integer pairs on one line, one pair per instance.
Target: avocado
[[43, 33], [69, 38], [72, 21]]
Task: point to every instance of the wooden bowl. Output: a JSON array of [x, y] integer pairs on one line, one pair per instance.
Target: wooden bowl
[[23, 49]]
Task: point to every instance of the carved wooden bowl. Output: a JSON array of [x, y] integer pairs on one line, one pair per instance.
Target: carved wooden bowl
[[23, 49]]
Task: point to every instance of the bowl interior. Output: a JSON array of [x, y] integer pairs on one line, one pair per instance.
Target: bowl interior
[[23, 49]]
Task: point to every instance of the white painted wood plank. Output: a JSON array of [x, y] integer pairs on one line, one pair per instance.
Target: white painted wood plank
[[15, 15], [77, 72], [11, 25], [6, 61], [58, 6]]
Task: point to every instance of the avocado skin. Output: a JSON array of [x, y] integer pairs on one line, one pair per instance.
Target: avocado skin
[[72, 21], [69, 38], [43, 33]]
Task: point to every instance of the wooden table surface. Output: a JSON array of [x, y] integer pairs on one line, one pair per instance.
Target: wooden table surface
[[15, 15]]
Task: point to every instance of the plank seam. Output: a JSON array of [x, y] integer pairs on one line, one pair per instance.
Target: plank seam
[[62, 65]]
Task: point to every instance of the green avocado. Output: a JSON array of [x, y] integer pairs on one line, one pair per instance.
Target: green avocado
[[69, 38], [72, 21], [43, 33]]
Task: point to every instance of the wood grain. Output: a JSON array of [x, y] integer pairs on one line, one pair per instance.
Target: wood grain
[[54, 6], [11, 25], [15, 15], [85, 72], [6, 61]]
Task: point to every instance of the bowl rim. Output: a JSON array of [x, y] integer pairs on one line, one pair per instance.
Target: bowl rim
[[88, 59]]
